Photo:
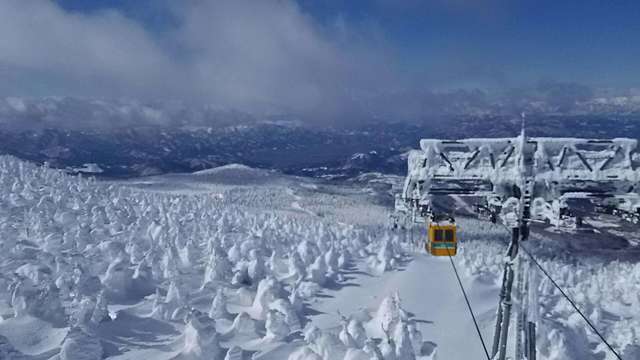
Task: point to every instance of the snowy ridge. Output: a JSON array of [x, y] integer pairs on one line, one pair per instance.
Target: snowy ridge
[[236, 174]]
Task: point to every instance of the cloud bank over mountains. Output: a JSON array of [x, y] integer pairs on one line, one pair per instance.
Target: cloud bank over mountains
[[259, 57], [253, 55]]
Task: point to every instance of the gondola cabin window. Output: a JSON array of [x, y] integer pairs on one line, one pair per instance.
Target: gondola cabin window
[[443, 235], [448, 235], [438, 235]]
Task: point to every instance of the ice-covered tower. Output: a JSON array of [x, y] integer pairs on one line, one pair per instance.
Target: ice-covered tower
[[550, 169]]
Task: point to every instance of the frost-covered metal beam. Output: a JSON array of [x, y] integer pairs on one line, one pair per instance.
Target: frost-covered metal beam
[[558, 166]]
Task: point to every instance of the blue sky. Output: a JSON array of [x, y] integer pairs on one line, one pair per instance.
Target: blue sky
[[593, 41], [316, 56], [473, 42]]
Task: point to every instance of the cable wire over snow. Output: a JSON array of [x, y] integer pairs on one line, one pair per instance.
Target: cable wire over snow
[[573, 304], [464, 293]]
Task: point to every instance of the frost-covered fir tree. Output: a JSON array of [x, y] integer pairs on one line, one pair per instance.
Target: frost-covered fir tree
[[218, 268], [416, 337], [234, 353], [345, 336], [200, 339], [388, 345], [218, 308], [402, 339], [256, 269], [357, 332], [100, 312], [80, 345], [317, 272], [276, 326], [304, 353], [268, 291], [371, 349], [243, 324], [291, 316], [388, 314], [297, 269]]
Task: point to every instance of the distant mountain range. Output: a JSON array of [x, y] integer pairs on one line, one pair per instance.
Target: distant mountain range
[[125, 139]]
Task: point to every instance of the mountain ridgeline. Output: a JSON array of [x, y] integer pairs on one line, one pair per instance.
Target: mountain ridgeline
[[288, 146]]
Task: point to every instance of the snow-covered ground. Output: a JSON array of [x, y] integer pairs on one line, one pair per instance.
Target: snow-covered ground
[[236, 263]]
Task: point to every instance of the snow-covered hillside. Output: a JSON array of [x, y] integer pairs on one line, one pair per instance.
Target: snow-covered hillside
[[239, 263]]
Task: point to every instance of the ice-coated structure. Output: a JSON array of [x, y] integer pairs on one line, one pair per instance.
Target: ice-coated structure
[[553, 167]]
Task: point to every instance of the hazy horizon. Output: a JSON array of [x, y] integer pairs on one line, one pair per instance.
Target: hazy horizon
[[323, 60]]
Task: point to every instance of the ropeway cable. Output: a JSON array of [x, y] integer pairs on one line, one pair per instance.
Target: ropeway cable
[[466, 299], [573, 304], [464, 293]]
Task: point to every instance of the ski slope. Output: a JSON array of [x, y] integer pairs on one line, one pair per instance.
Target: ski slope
[[429, 289], [242, 263]]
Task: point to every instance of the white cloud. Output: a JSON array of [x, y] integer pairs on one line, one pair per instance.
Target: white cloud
[[105, 53], [237, 53]]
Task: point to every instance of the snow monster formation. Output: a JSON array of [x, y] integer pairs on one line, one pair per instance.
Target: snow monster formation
[[203, 276]]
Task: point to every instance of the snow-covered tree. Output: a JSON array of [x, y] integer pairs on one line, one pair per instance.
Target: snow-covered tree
[[80, 345], [218, 268], [200, 339], [218, 308], [276, 326]]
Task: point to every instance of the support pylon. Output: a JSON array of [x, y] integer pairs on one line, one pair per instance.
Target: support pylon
[[521, 317], [499, 349], [519, 233]]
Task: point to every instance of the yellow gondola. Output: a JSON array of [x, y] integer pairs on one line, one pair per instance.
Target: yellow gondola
[[441, 239]]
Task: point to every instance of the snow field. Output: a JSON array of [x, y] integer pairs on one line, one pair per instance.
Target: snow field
[[167, 270], [234, 263]]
